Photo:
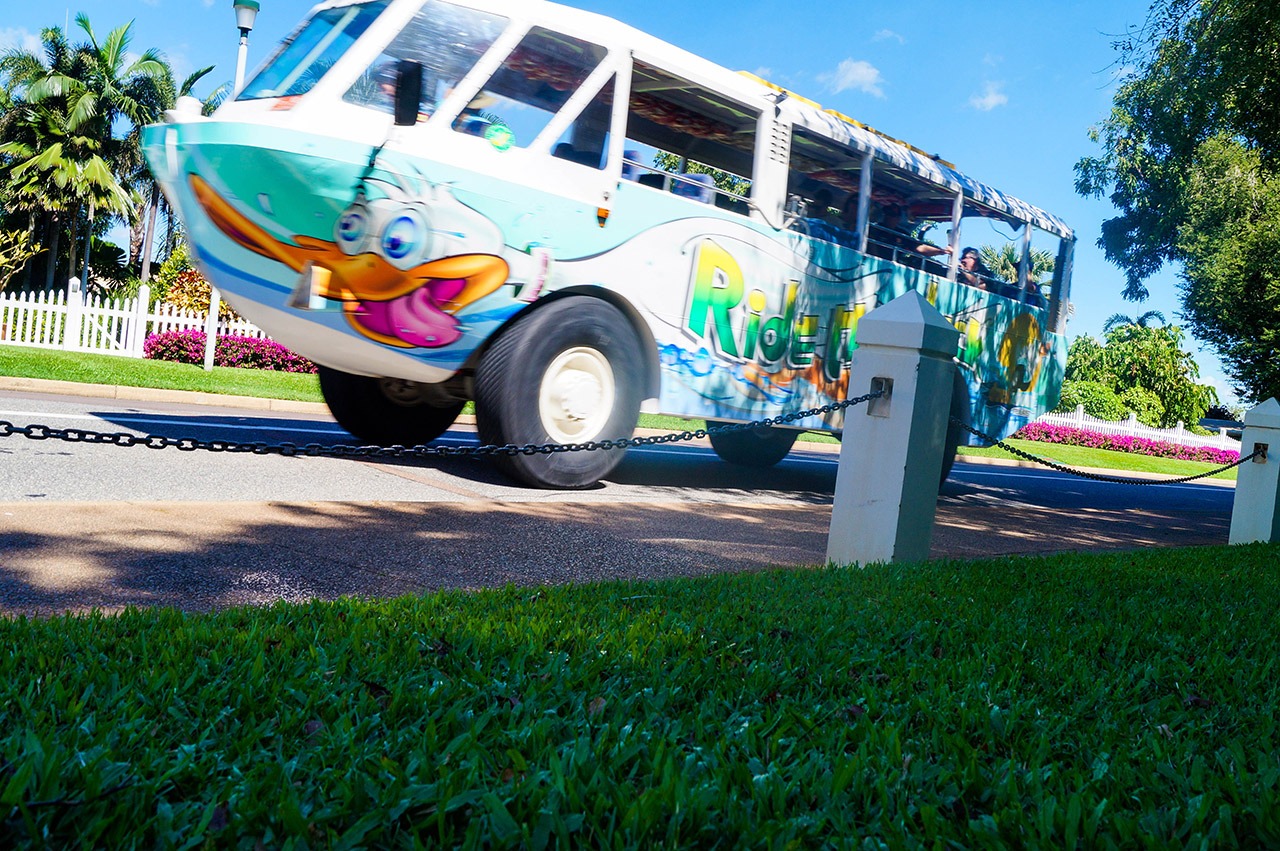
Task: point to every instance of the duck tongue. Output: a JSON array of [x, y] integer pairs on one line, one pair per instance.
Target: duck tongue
[[415, 318]]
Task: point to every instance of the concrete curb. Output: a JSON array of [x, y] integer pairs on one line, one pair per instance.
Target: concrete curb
[[148, 394], [189, 397]]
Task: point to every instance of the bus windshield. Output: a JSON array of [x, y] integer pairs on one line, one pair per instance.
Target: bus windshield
[[312, 51], [446, 40]]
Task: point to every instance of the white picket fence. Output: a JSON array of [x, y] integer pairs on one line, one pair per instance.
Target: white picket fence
[[56, 321], [1132, 428]]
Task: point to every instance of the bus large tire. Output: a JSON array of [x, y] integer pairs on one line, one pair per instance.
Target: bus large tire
[[752, 447], [386, 411], [569, 372]]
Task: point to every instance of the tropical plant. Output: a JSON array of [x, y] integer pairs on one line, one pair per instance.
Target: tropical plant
[[61, 153], [1004, 260], [1142, 320], [162, 95]]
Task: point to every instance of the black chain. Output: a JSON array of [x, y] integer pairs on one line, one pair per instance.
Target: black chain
[[991, 441], [190, 444]]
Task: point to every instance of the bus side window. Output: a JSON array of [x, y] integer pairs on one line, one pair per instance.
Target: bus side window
[[530, 87], [700, 143]]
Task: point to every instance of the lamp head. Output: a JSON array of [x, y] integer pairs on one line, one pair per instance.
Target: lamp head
[[246, 12]]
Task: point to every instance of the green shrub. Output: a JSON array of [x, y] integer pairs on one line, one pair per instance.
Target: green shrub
[[178, 261], [1145, 404], [179, 283], [1099, 400]]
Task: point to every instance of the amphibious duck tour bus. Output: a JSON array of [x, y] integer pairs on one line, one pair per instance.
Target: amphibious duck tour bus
[[568, 221]]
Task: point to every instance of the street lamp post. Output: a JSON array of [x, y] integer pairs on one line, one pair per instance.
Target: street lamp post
[[246, 13]]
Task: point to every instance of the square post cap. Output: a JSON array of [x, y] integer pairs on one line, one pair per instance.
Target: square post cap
[[909, 322], [1264, 415]]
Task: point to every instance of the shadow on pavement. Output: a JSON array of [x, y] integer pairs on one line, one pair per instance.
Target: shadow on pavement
[[202, 556]]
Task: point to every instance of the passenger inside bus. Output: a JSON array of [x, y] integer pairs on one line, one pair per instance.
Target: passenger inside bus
[[889, 239], [974, 272]]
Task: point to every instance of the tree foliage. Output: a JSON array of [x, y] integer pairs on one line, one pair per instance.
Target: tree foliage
[[1190, 157], [724, 181], [1146, 368], [16, 248]]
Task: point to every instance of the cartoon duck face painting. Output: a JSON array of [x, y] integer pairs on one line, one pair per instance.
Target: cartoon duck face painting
[[401, 265]]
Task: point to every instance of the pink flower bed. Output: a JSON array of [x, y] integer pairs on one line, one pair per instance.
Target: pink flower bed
[[1121, 443], [245, 352]]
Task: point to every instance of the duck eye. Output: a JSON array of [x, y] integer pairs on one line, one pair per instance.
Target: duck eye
[[404, 238], [350, 231]]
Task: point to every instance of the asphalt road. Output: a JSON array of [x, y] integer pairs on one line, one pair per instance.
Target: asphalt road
[[85, 526]]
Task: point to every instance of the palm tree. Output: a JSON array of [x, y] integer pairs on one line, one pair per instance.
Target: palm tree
[[63, 177], [1003, 261], [69, 104], [1119, 320], [163, 95]]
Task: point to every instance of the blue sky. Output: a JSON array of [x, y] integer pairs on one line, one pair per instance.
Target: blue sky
[[1005, 89]]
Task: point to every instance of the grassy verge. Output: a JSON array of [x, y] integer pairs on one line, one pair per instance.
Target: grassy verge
[[1071, 701]]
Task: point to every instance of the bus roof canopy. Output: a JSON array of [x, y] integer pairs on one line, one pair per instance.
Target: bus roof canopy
[[848, 131]]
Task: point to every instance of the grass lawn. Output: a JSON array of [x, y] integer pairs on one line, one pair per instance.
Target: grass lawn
[[1098, 701], [57, 365], [27, 362]]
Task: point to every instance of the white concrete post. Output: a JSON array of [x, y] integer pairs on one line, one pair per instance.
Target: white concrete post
[[75, 316], [1255, 514], [211, 327], [138, 323], [891, 452]]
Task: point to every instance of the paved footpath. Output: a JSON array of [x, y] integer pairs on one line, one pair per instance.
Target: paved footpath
[[57, 557]]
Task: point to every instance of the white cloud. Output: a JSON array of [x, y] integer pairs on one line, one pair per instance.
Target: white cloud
[[854, 74], [763, 73], [991, 97], [885, 35], [12, 38]]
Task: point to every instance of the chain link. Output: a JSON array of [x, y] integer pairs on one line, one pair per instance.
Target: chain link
[[1084, 474], [347, 450]]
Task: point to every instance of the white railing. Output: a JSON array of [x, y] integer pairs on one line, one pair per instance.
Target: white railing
[[1132, 428], [54, 321]]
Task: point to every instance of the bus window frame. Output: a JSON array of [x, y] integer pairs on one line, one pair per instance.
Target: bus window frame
[[762, 113]]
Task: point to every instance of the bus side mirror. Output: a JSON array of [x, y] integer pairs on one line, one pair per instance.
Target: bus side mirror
[[408, 92]]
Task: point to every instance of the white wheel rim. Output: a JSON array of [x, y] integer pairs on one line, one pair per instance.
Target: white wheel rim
[[402, 392], [576, 396]]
